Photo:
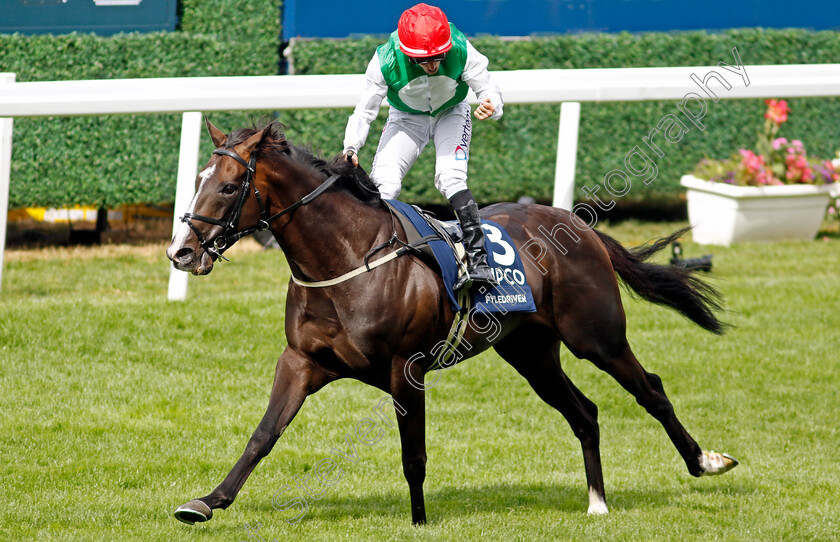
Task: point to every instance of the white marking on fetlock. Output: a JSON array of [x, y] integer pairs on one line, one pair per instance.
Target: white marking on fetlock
[[597, 504], [715, 463]]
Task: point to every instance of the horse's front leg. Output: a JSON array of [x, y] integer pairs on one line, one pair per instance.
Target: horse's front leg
[[411, 418], [294, 378]]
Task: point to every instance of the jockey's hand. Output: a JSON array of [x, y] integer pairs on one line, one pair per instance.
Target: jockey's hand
[[351, 156], [484, 109]]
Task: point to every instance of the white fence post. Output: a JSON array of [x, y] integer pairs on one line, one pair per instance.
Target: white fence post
[[5, 173], [184, 191], [567, 140]]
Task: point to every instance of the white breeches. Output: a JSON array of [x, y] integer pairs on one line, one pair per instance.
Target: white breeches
[[406, 135]]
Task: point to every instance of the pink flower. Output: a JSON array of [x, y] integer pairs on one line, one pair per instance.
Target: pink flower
[[798, 169], [751, 161], [764, 177], [779, 142], [777, 110]]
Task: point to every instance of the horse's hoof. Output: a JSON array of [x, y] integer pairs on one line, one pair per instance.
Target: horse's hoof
[[598, 509], [597, 503], [714, 463], [195, 511]]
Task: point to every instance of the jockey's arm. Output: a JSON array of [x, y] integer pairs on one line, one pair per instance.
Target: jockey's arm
[[479, 80], [367, 108]]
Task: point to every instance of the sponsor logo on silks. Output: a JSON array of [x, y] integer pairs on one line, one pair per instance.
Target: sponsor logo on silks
[[461, 150], [467, 133]]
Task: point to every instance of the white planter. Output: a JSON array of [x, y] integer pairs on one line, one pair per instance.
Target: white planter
[[722, 214]]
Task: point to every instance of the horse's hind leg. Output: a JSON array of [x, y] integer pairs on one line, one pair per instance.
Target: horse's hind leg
[[295, 377], [543, 372], [618, 360]]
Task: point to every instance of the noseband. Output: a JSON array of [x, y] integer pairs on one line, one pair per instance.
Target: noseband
[[217, 245]]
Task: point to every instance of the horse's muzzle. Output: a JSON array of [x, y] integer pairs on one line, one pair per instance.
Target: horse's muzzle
[[187, 259]]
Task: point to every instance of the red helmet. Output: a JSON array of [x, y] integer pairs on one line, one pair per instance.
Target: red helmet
[[424, 32]]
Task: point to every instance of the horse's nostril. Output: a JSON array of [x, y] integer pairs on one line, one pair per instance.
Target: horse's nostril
[[184, 256]]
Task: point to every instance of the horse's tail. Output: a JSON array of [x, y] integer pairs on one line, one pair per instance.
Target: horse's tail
[[666, 285]]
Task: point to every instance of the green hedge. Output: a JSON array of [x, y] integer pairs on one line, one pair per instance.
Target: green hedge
[[111, 160], [515, 157], [116, 159]]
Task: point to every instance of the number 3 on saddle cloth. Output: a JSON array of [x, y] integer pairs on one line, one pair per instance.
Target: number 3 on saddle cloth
[[512, 294]]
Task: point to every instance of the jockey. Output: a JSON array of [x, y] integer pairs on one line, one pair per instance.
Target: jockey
[[425, 70]]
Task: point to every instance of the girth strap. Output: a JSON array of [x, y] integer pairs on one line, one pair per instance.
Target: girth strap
[[446, 357]]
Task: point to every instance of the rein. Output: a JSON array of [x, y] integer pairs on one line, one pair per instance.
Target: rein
[[229, 236]]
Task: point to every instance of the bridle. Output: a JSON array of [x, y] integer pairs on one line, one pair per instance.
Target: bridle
[[218, 244], [228, 236]]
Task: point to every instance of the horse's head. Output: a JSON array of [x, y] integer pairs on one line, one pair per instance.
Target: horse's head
[[222, 201]]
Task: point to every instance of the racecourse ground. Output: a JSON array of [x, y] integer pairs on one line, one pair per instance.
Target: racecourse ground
[[116, 406]]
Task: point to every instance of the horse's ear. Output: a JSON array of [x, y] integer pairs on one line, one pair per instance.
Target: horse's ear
[[254, 141], [216, 135]]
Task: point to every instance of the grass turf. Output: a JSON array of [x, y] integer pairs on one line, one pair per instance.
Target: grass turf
[[116, 406]]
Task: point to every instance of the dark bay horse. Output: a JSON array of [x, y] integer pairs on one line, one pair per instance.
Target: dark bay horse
[[328, 216]]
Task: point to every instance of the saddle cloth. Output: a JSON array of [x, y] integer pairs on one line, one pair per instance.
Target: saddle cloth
[[512, 294]]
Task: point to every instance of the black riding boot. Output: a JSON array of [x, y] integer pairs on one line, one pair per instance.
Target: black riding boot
[[478, 271]]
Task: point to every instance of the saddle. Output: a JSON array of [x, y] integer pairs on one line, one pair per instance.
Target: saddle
[[448, 232], [442, 242]]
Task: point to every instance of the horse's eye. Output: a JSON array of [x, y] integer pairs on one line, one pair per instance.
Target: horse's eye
[[229, 189]]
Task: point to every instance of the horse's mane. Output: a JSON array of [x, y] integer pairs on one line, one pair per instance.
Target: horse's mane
[[355, 179]]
